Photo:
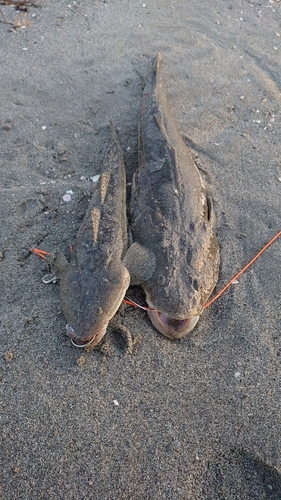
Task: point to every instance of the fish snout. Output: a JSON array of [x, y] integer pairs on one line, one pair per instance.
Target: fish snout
[[89, 342], [171, 327]]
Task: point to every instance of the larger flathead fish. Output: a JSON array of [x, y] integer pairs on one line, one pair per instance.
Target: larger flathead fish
[[172, 217]]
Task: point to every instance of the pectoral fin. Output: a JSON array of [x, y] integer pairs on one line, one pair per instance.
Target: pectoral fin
[[140, 263], [58, 261]]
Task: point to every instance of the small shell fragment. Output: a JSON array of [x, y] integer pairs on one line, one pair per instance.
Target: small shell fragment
[[95, 178]]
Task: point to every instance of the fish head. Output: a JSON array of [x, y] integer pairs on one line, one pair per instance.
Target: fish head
[[89, 302], [177, 298]]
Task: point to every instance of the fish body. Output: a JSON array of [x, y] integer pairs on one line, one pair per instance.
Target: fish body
[[172, 217], [93, 284]]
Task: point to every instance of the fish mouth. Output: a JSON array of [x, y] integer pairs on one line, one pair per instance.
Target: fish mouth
[[88, 343], [171, 327]]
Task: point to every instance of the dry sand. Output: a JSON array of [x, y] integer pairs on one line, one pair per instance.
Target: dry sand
[[192, 419]]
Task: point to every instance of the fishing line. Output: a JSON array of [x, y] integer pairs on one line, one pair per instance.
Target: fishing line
[[43, 254], [132, 303], [242, 270]]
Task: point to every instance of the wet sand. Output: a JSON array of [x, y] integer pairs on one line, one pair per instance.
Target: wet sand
[[193, 419]]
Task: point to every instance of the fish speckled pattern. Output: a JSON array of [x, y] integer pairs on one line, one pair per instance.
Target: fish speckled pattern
[[172, 217], [94, 283]]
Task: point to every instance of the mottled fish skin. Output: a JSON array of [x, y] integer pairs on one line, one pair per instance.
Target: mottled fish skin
[[93, 285], [172, 217]]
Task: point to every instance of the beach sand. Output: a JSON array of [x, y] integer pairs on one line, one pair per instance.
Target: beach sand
[[192, 419]]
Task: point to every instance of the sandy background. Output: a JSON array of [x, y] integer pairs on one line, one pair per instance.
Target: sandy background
[[192, 419]]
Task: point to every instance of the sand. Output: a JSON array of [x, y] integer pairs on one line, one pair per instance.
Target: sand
[[192, 419]]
